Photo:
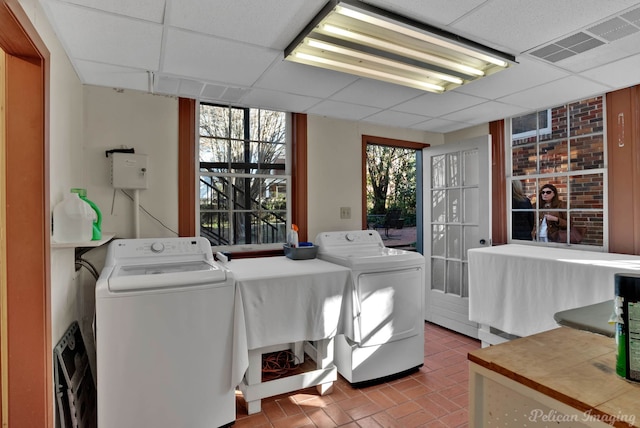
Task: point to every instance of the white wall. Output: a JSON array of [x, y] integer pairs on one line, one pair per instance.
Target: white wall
[[468, 133], [149, 124], [335, 168]]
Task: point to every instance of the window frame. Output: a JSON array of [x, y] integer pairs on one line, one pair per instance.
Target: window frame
[[188, 175], [542, 178], [534, 132], [287, 177]]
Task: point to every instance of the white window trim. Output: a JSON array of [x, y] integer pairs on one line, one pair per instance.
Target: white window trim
[[605, 183], [527, 134]]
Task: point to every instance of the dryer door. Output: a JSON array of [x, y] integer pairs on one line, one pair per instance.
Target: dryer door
[[389, 306]]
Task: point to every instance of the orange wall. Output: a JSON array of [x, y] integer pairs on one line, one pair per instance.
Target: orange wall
[[623, 155]]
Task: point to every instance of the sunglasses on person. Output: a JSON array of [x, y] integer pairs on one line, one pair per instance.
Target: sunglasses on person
[[546, 192]]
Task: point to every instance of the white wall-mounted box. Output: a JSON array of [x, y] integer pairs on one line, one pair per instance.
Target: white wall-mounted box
[[129, 171]]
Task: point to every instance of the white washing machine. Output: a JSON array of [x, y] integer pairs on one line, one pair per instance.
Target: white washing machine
[[164, 331], [384, 336]]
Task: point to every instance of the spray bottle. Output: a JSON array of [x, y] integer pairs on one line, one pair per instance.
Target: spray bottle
[[293, 236]]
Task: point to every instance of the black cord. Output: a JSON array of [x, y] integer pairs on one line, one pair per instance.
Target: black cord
[[147, 212], [88, 266]]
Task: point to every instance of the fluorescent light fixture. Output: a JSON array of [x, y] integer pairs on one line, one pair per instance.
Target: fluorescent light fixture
[[354, 37]]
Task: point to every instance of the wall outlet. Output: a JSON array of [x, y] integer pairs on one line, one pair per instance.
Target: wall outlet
[[345, 213]]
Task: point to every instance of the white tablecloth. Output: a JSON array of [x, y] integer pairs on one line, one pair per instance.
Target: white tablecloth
[[279, 301], [518, 288]]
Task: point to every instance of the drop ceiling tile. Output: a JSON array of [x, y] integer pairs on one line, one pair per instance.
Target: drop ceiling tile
[[303, 79], [340, 110], [235, 95], [440, 125], [92, 73], [486, 112], [618, 74], [101, 37], [190, 88], [395, 118], [213, 92], [555, 93], [527, 74], [368, 92], [278, 100], [149, 10], [198, 56], [166, 84], [429, 11], [273, 23], [628, 44], [523, 24], [436, 105]]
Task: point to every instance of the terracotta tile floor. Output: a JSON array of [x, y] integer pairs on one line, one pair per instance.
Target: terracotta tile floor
[[434, 396]]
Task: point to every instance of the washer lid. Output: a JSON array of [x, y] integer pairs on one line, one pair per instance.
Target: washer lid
[[378, 258], [165, 275]]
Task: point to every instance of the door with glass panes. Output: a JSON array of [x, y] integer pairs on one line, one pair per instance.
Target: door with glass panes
[[457, 214]]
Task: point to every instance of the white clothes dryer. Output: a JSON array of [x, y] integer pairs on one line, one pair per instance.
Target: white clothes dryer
[[164, 331], [384, 336]]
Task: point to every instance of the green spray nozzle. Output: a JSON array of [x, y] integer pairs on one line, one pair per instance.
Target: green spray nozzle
[[97, 224]]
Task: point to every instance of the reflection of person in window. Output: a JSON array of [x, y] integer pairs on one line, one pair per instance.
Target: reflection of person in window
[[552, 214], [522, 222]]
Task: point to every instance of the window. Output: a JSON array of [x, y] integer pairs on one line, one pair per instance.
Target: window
[[244, 179], [563, 146], [531, 124]]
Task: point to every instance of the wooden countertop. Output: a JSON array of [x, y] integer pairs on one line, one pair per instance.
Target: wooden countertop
[[572, 366]]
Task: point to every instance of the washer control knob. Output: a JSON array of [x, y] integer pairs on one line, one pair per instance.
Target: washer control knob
[[157, 247], [349, 237]]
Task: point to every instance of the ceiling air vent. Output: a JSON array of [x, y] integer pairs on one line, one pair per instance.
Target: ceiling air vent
[[569, 46], [605, 32], [633, 16], [614, 29]]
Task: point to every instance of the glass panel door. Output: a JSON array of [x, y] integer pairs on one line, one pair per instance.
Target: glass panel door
[[457, 217]]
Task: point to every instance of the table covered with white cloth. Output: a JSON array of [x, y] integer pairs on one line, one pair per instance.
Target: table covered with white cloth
[[518, 288], [283, 301]]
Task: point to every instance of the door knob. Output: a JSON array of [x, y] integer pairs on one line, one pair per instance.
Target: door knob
[[482, 242]]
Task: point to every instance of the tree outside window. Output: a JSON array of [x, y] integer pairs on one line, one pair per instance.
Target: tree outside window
[[391, 181], [243, 182]]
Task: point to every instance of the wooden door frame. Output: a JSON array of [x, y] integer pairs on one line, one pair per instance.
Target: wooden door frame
[[26, 358]]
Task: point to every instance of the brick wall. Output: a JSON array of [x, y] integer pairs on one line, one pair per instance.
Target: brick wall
[[575, 143]]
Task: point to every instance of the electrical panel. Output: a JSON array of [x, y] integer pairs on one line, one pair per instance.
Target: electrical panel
[[129, 171]]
